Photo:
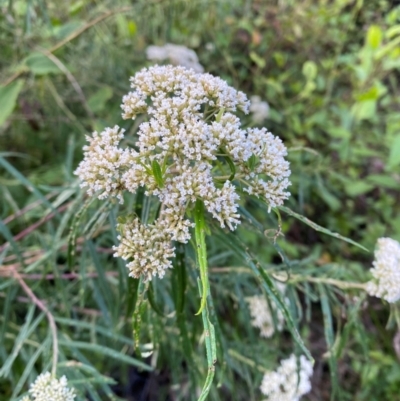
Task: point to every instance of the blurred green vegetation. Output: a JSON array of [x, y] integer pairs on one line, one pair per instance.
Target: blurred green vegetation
[[330, 73]]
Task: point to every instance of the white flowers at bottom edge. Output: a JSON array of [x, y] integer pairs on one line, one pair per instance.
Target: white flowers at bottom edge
[[47, 388], [386, 271], [290, 381]]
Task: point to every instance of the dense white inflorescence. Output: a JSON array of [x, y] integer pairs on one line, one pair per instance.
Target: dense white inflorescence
[[176, 54], [148, 246], [46, 388], [259, 109], [290, 381], [191, 147], [386, 271], [261, 314], [104, 163]]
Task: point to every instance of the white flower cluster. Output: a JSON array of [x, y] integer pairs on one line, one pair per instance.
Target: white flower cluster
[[46, 388], [261, 315], [149, 247], [259, 109], [176, 55], [191, 147], [290, 381], [386, 271]]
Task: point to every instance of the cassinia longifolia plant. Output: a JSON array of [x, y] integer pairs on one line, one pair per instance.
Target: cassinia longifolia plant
[[193, 156]]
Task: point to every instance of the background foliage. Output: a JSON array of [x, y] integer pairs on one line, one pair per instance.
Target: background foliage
[[329, 71]]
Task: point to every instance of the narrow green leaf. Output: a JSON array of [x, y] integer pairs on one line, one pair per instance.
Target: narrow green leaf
[[152, 301], [97, 102], [132, 296], [374, 36], [30, 365], [201, 250], [392, 31], [26, 330], [179, 278], [24, 181], [39, 64], [394, 156], [234, 243], [156, 168], [330, 339], [387, 48], [232, 168], [252, 162], [8, 98], [211, 348], [73, 234], [107, 352], [8, 236], [94, 326], [319, 228], [140, 308], [219, 115]]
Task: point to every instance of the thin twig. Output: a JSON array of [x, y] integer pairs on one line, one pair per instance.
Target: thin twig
[[29, 207], [8, 271], [70, 78], [83, 311], [49, 316], [295, 278], [34, 226], [72, 36]]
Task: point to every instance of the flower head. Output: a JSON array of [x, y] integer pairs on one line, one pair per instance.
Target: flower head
[[46, 388], [190, 146], [386, 271], [262, 317], [176, 54], [259, 109], [290, 381], [147, 246]]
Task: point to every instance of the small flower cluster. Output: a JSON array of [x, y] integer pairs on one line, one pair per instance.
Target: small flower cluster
[[176, 55], [46, 388], [290, 381], [261, 314], [192, 147], [259, 109], [386, 271]]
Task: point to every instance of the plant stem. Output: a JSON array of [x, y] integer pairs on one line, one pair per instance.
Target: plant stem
[[201, 251], [209, 332], [211, 350]]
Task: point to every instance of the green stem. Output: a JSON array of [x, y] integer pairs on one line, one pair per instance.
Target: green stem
[[201, 251], [211, 350], [209, 332]]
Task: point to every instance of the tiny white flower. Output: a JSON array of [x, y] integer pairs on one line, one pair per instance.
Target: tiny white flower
[[386, 271]]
